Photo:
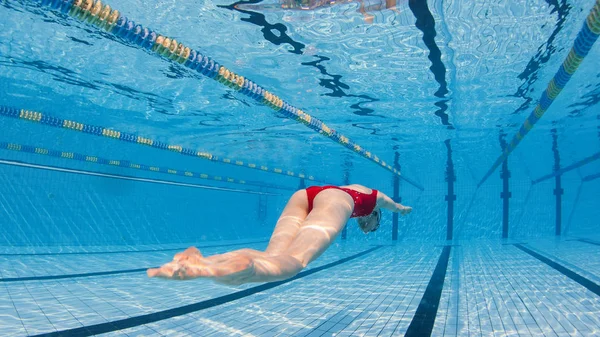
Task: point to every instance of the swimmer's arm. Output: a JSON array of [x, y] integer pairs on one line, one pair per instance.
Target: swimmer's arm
[[383, 201]]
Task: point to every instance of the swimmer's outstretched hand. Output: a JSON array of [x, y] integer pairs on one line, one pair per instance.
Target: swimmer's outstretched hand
[[405, 209]]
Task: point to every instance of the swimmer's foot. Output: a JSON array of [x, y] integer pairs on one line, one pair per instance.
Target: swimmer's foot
[[185, 265], [182, 269], [191, 253], [179, 271], [405, 210], [190, 264]]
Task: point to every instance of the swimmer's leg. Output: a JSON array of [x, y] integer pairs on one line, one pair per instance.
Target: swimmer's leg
[[391, 4], [238, 268], [331, 211], [289, 250], [288, 225], [221, 258], [234, 268]]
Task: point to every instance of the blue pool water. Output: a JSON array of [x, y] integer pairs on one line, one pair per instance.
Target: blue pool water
[[113, 158]]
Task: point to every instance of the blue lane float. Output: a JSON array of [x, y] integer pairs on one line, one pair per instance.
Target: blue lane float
[[583, 43]]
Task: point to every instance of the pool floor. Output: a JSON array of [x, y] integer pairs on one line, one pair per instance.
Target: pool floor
[[542, 287]]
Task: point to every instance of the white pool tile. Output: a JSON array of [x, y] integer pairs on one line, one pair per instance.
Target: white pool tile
[[489, 290]]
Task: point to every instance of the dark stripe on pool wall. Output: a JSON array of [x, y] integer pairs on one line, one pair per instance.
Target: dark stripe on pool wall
[[450, 197], [589, 285], [422, 322], [130, 251], [558, 190], [131, 322], [505, 194], [396, 196]]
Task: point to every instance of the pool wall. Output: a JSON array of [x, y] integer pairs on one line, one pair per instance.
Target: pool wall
[[45, 207]]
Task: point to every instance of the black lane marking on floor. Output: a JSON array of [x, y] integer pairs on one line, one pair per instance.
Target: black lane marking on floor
[[131, 251], [58, 277], [131, 322], [422, 322], [591, 286], [589, 241], [64, 276]]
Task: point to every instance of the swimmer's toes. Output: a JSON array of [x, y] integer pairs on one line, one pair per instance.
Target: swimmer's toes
[[153, 272], [180, 257], [193, 251]]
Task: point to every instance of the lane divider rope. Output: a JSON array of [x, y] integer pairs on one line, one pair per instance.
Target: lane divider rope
[[128, 164], [111, 20], [45, 119], [581, 47]]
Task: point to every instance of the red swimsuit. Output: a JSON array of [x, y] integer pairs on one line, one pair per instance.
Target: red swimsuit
[[364, 204]]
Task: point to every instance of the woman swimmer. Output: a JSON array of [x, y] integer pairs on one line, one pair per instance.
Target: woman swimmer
[[310, 222]]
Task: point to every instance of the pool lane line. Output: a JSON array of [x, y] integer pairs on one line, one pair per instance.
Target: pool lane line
[[131, 322], [49, 120], [591, 242], [514, 243], [70, 276], [80, 275], [591, 177], [40, 151], [351, 305], [131, 251], [424, 318], [125, 177], [588, 284]]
